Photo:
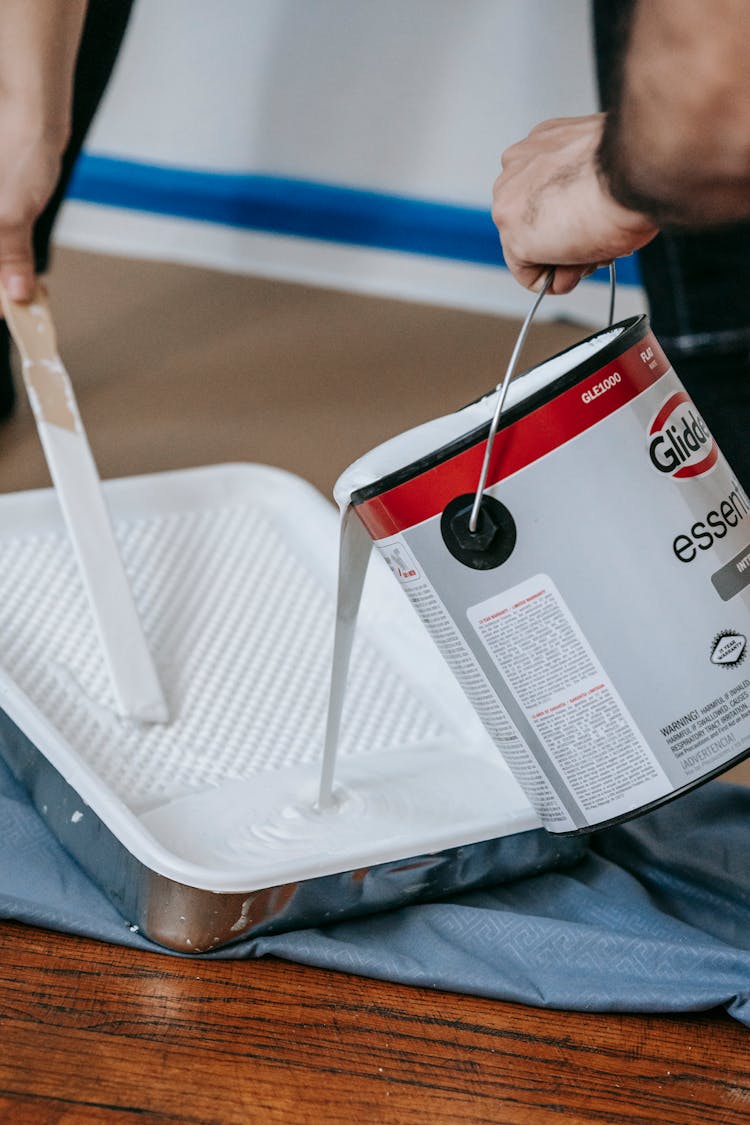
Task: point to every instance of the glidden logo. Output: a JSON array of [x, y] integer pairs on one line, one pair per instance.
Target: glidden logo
[[681, 443]]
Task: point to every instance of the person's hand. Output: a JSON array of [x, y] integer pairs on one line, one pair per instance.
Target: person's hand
[[552, 208], [29, 167]]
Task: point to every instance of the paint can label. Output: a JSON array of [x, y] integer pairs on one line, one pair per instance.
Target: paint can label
[[606, 652]]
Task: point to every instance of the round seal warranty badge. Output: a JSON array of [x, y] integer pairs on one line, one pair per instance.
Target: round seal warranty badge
[[728, 648]]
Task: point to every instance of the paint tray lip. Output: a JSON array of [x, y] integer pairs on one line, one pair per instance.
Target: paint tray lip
[[35, 511]]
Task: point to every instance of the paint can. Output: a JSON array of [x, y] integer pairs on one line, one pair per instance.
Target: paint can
[[598, 616]]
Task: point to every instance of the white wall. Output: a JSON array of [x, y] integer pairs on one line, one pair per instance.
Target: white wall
[[411, 97]]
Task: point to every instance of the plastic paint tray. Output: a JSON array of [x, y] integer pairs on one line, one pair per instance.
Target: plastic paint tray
[[204, 830]]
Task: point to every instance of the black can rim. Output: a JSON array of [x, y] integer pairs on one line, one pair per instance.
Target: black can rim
[[634, 329], [651, 806]]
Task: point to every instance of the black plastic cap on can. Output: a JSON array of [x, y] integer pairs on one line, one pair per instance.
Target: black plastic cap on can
[[492, 542]]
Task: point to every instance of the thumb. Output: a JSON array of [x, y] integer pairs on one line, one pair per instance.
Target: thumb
[[17, 273]]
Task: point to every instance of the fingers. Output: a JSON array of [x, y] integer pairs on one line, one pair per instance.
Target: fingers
[[17, 273], [532, 275], [551, 208], [566, 279]]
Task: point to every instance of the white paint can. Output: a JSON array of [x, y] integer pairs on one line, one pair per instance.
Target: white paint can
[[599, 618]]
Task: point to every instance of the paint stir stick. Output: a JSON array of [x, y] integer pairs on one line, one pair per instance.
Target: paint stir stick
[[131, 668]]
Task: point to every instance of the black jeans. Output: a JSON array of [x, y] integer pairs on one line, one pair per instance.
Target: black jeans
[[103, 31], [697, 284]]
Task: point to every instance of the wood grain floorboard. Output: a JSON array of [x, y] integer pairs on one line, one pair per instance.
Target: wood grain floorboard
[[102, 1030]]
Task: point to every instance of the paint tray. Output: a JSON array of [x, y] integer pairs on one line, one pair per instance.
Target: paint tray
[[204, 830]]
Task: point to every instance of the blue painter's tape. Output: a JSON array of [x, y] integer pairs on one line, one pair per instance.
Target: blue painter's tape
[[301, 208]]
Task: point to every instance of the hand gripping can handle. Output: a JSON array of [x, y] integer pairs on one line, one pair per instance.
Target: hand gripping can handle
[[596, 609]]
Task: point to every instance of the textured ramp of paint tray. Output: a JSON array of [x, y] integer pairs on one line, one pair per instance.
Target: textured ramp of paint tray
[[241, 634]]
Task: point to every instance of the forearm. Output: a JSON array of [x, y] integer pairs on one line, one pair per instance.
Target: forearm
[[38, 47], [676, 144]]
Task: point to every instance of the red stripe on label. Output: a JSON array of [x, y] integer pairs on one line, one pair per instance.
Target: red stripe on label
[[703, 466], [675, 400], [533, 436]]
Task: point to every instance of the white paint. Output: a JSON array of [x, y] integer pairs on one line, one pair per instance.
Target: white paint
[[241, 922], [292, 822], [384, 806], [423, 440], [78, 489], [76, 817], [123, 645], [227, 560], [355, 547], [105, 716]]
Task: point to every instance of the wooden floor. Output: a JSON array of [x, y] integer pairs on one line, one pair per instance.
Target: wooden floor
[[98, 1034], [178, 367]]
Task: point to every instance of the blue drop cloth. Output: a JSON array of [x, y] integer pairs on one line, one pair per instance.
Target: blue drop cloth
[[655, 918]]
